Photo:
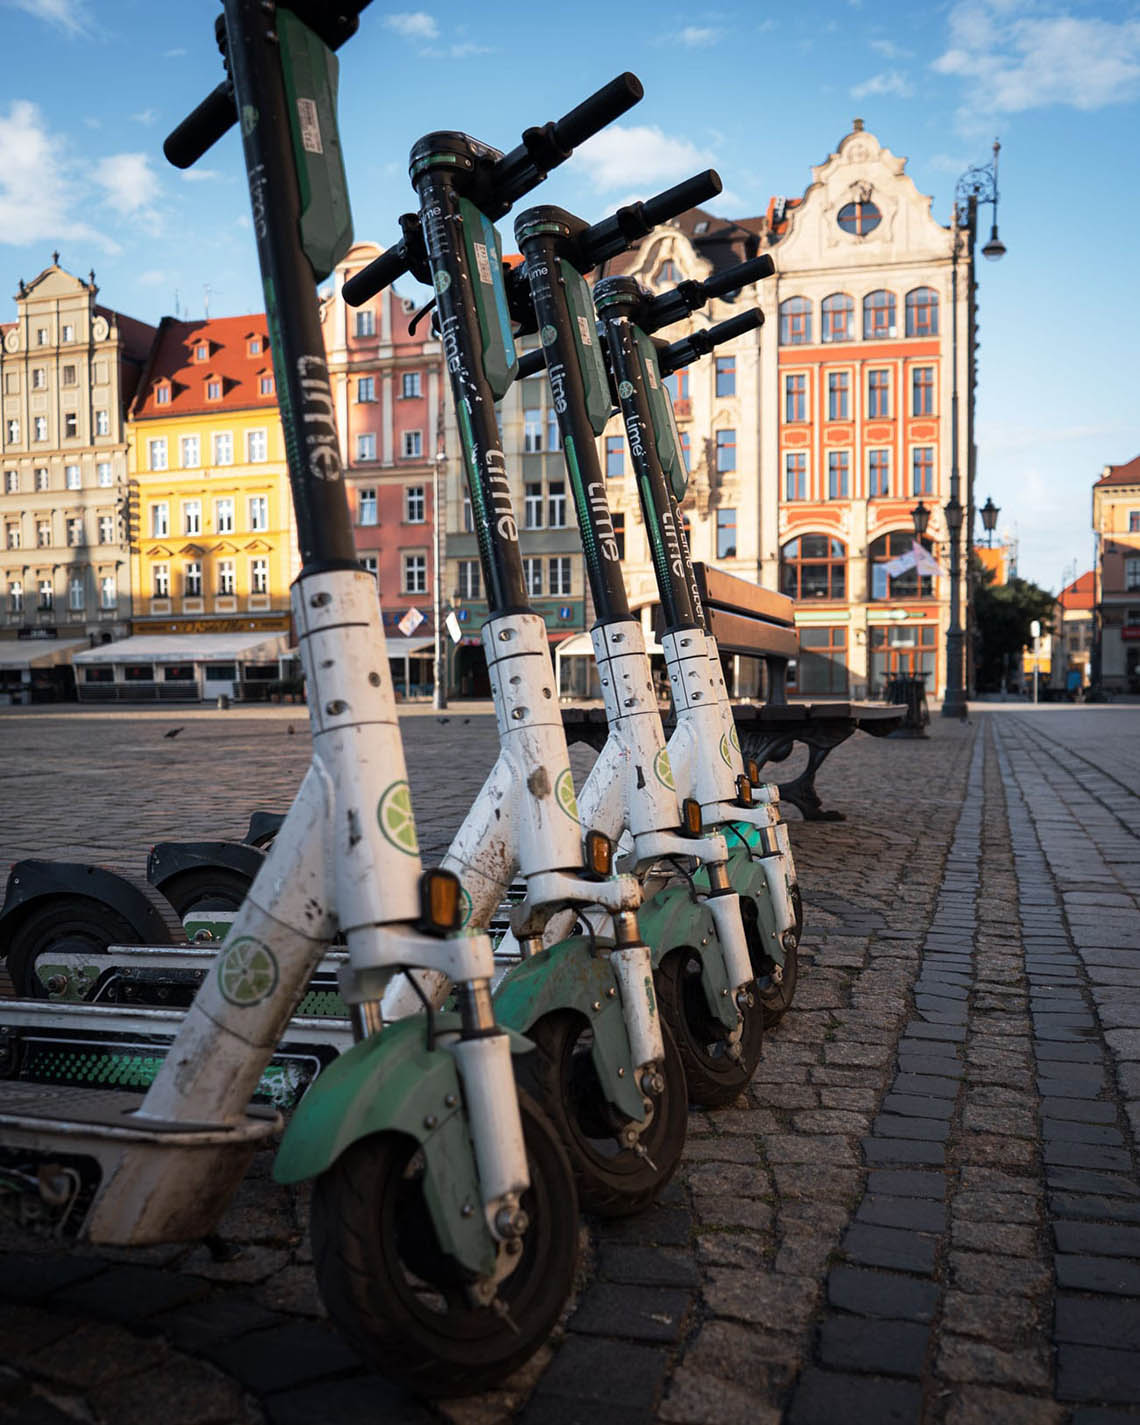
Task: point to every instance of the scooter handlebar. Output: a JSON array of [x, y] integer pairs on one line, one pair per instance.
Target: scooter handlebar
[[682, 197], [630, 224], [202, 128], [381, 272], [690, 348], [545, 147], [531, 363], [686, 297], [742, 275]]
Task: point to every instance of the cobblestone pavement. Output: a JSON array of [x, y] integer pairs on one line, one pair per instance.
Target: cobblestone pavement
[[926, 1209]]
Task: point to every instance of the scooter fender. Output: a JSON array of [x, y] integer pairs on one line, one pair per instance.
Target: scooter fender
[[393, 1083], [570, 975], [170, 858], [31, 882], [671, 919]]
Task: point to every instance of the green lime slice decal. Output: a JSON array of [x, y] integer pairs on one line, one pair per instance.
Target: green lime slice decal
[[733, 738], [664, 769], [625, 390], [724, 752], [247, 972], [395, 817], [442, 281], [548, 335], [465, 902], [564, 794]]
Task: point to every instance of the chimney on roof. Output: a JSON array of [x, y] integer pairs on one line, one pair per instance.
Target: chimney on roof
[[858, 125], [55, 258]]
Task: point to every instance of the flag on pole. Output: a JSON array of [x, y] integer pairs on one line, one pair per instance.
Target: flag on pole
[[410, 622], [900, 565], [925, 562]]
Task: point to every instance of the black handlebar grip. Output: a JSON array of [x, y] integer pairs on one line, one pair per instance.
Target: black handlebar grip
[[699, 343], [381, 272], [600, 109], [682, 197], [732, 279], [735, 326], [531, 363], [202, 128]]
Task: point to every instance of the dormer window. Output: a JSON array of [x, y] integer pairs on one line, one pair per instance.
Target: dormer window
[[202, 351], [266, 386], [701, 227], [162, 395], [253, 347], [214, 389]]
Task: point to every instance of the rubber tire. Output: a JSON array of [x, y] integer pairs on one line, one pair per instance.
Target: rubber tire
[[713, 1079], [798, 910], [775, 999], [366, 1292], [75, 923], [618, 1182], [205, 888]]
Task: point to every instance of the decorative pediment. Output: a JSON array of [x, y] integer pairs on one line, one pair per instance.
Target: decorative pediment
[[257, 546], [194, 551], [159, 551]]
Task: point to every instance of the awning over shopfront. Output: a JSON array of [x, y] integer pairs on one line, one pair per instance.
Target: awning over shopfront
[[409, 647], [29, 653], [188, 648], [580, 645]]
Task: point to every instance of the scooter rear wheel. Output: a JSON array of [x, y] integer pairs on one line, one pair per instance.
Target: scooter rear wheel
[[402, 1302], [713, 1075], [613, 1180], [206, 888], [73, 924]]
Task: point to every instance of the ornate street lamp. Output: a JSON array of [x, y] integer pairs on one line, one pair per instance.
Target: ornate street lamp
[[989, 513], [976, 186], [921, 517]]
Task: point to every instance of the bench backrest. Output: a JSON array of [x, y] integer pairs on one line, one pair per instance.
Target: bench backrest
[[751, 621]]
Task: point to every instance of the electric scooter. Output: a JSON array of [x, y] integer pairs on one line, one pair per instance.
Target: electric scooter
[[444, 1217], [605, 1068], [702, 969], [729, 795]]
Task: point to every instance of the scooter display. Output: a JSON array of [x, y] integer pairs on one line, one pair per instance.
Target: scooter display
[[605, 1068], [444, 1215]]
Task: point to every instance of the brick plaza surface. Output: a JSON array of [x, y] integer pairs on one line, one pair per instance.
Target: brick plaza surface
[[925, 1209]]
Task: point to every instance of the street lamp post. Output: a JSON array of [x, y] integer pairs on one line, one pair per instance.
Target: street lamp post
[[975, 187], [439, 681], [989, 513]]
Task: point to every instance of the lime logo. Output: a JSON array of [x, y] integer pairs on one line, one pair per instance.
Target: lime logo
[[548, 335], [724, 752], [733, 738], [664, 770], [249, 117], [395, 817], [247, 972], [564, 794], [625, 390], [650, 997], [465, 902], [442, 281]]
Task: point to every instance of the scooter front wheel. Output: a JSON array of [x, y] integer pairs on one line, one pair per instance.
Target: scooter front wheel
[[614, 1180], [714, 1074], [776, 996], [401, 1302]]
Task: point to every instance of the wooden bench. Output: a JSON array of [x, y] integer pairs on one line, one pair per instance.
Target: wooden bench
[[752, 622]]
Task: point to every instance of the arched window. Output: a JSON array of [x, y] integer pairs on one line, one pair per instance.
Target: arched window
[[795, 322], [879, 315], [922, 312], [814, 567], [837, 318], [906, 584], [667, 274]]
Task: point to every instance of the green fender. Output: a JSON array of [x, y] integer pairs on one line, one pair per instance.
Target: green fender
[[748, 880], [570, 975], [392, 1083], [672, 918]]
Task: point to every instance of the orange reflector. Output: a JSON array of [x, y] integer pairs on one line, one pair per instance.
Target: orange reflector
[[691, 814], [744, 790], [439, 900], [599, 853], [753, 772]]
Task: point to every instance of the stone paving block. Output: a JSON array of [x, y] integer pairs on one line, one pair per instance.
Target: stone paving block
[[799, 1180], [97, 1352], [733, 1249], [284, 1356], [218, 1317], [1001, 1320], [35, 1276], [915, 1213], [1065, 1178], [1064, 1130], [984, 1205], [829, 1149], [130, 1294], [1102, 1274], [1098, 1321], [912, 1106], [930, 1065], [1057, 1153], [180, 1392], [861, 1400], [922, 1085], [660, 1226], [881, 1294], [694, 1397], [1119, 1209], [357, 1401], [647, 1266], [989, 1273], [1093, 1239], [762, 1361], [1093, 1372], [612, 1373], [962, 1358], [985, 1405], [718, 1178], [905, 1182], [778, 1303], [877, 1151], [1010, 1239], [891, 1247], [925, 1130], [639, 1313], [873, 1347], [1077, 1110]]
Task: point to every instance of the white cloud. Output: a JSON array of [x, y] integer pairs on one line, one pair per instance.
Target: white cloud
[[947, 163], [889, 50], [129, 187], [1014, 57], [462, 50], [174, 53], [412, 25], [641, 155], [70, 16], [891, 81], [199, 175], [38, 186], [693, 36], [146, 117], [154, 277]]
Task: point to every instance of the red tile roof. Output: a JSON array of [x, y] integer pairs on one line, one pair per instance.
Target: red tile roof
[[1128, 474], [173, 362], [1081, 593]]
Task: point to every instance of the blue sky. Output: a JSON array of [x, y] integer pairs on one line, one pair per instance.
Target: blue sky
[[761, 92]]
